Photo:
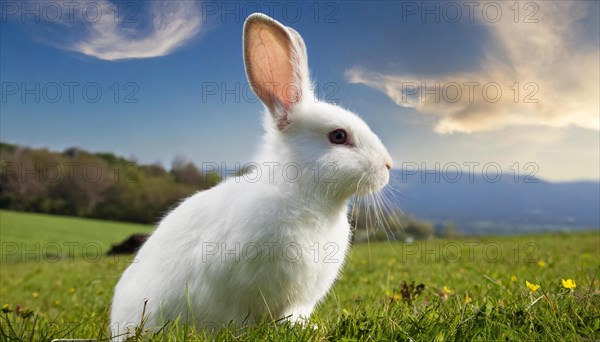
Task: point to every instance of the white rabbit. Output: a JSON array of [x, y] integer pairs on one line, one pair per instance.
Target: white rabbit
[[271, 244]]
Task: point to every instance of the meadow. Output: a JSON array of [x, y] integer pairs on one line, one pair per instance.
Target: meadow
[[55, 282]]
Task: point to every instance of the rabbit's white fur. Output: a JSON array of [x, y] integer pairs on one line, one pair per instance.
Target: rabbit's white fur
[[268, 245]]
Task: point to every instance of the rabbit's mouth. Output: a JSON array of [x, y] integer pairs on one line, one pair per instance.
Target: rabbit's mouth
[[342, 184], [374, 178], [366, 183], [372, 184]]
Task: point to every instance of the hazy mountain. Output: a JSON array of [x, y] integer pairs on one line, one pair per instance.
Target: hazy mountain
[[476, 204]]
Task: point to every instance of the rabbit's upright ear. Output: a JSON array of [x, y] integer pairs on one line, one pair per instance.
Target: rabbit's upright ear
[[276, 65]]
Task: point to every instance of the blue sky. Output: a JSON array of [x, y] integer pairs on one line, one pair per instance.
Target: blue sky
[[154, 63]]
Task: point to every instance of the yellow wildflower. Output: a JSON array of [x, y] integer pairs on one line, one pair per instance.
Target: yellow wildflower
[[513, 278], [446, 290], [35, 294], [532, 287], [397, 297], [569, 284], [72, 290], [542, 263], [467, 299]]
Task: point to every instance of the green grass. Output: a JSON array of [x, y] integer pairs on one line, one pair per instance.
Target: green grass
[[43, 237], [69, 297]]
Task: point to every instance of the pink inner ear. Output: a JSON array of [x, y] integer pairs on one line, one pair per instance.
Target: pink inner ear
[[268, 61]]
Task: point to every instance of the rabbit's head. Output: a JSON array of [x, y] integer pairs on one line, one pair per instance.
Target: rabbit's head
[[316, 136]]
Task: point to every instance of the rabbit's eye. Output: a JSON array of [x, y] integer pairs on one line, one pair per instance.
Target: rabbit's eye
[[338, 136]]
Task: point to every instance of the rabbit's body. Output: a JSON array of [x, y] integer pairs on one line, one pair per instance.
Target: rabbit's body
[[269, 264], [268, 245]]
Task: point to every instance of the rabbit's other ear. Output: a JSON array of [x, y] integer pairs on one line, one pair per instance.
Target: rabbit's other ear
[[276, 65]]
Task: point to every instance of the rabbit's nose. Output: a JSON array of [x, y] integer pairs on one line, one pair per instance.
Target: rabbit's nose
[[389, 165]]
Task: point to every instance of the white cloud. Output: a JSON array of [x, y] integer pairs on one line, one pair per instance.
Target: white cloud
[[549, 59], [131, 33]]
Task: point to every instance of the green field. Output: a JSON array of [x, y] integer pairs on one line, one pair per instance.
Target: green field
[[56, 283]]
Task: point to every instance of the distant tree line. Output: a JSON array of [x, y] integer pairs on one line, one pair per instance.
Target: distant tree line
[[95, 185], [102, 185]]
